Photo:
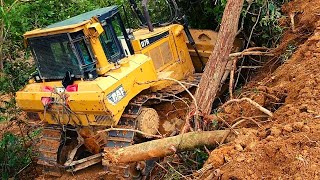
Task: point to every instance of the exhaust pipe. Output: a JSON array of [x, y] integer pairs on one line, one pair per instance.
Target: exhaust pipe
[[147, 15]]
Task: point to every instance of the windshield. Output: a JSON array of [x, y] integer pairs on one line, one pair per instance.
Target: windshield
[[55, 56]]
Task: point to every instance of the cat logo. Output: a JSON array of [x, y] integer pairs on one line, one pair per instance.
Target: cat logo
[[117, 95]]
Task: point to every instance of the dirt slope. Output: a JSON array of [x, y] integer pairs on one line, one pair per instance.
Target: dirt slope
[[287, 146]]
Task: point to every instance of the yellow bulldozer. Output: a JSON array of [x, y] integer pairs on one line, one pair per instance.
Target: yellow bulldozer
[[97, 81]]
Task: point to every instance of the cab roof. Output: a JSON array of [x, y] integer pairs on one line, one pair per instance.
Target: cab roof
[[101, 14]]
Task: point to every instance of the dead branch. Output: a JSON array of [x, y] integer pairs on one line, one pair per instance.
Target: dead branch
[[229, 126], [247, 118], [184, 177], [250, 67], [265, 49], [190, 94], [234, 64], [258, 106], [250, 53], [254, 26], [292, 22]]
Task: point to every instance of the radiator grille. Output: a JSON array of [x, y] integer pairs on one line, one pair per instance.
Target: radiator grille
[[102, 118], [166, 52], [160, 55]]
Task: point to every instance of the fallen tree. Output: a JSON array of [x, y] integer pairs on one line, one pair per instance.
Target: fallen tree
[[164, 147]]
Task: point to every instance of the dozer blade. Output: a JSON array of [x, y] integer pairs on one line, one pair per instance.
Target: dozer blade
[[205, 41]]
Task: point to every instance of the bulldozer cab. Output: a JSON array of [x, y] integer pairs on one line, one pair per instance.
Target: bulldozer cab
[[71, 46]]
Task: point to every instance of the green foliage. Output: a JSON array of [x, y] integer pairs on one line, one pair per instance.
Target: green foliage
[[201, 156], [266, 30], [215, 124], [288, 53], [16, 75], [35, 133], [187, 163], [8, 110], [2, 118], [203, 14], [207, 14], [13, 155]]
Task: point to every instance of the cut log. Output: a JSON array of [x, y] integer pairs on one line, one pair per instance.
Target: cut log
[[216, 65], [164, 147]]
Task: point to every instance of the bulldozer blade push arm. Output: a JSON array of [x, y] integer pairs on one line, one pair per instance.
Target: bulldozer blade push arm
[[147, 15], [137, 11], [191, 40]]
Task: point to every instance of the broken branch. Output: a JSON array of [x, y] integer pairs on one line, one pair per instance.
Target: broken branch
[[258, 106]]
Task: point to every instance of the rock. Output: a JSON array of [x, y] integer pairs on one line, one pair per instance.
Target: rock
[[275, 131], [305, 128], [288, 128], [297, 126], [262, 134], [240, 158], [227, 158], [270, 138], [251, 145], [238, 147]]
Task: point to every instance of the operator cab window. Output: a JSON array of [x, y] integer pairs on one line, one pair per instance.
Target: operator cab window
[[54, 56], [109, 45], [84, 53], [113, 39]]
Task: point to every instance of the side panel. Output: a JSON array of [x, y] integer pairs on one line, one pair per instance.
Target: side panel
[[168, 50]]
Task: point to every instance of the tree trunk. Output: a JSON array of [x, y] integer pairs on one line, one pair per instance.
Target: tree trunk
[[1, 38], [163, 147], [216, 65], [1, 45]]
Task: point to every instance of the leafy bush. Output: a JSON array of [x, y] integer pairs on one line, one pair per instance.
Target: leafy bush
[[13, 155], [259, 16], [2, 118], [16, 75]]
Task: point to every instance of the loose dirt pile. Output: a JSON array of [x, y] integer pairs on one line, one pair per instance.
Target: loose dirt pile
[[287, 145]]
